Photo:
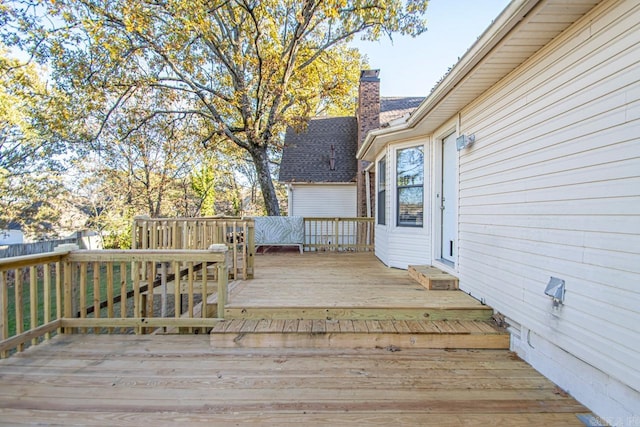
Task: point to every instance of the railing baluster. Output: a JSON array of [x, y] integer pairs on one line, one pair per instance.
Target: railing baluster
[[177, 291], [164, 285], [4, 307], [222, 289], [59, 308], [190, 291], [110, 293], [174, 240], [204, 293], [123, 291], [83, 292], [19, 304], [148, 311], [136, 268], [68, 292], [46, 296], [33, 300], [96, 293]]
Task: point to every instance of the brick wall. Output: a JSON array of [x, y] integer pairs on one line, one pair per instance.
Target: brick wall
[[368, 119]]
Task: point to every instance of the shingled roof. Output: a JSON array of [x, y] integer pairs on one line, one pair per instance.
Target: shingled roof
[[307, 155], [392, 108]]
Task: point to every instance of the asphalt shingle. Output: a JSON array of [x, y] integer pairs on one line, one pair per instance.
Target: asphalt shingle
[[306, 155]]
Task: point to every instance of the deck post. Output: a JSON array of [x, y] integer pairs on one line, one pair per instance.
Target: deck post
[[222, 289], [68, 282], [223, 275], [250, 246]]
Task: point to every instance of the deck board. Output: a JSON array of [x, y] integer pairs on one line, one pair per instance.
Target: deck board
[[342, 286], [171, 379]]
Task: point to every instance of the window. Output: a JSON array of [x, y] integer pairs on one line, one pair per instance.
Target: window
[[410, 180], [382, 189]]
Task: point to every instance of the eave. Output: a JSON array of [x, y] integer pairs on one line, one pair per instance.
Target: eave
[[522, 29]]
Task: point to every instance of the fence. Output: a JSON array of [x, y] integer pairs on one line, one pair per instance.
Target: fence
[[199, 233], [339, 234], [21, 249], [108, 291]]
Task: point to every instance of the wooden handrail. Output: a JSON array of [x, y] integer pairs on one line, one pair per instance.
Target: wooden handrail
[[60, 292], [199, 233]]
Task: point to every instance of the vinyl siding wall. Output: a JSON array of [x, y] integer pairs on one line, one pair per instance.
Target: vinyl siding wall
[[403, 246], [551, 187], [322, 200], [382, 231]]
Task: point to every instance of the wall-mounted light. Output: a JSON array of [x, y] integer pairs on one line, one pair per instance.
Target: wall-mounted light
[[463, 141], [555, 289]]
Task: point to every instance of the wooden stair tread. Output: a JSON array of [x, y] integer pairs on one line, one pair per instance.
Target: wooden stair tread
[[477, 312], [357, 326], [392, 334]]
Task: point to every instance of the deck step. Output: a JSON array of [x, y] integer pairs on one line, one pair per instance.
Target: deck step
[[475, 312], [433, 278], [391, 334]]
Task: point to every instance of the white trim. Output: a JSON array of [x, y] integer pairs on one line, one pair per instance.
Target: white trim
[[394, 181], [451, 127]]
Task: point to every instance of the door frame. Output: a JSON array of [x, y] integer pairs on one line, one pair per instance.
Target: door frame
[[437, 168]]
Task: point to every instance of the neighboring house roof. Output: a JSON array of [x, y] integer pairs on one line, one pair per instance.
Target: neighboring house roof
[[392, 108], [307, 155]]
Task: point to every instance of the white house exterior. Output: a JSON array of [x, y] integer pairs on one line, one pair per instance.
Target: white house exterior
[[319, 168], [322, 199], [11, 237], [549, 188]]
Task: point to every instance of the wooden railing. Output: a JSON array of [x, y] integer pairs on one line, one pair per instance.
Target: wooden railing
[[199, 233], [339, 234], [109, 291]]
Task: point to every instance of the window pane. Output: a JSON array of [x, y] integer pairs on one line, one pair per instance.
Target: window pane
[[410, 166], [382, 183], [382, 208], [410, 206]]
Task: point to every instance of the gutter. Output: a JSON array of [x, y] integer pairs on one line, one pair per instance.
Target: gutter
[[488, 40]]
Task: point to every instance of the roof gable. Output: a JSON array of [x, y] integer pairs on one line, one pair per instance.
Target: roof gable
[[306, 156]]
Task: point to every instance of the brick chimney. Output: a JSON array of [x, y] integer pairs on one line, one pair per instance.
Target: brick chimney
[[368, 119]]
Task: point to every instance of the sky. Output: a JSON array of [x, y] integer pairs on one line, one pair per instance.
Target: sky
[[412, 66]]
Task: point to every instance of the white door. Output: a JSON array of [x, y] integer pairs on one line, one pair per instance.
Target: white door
[[448, 247]]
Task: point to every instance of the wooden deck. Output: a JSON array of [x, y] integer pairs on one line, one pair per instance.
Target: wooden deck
[[181, 379], [314, 339], [343, 286]]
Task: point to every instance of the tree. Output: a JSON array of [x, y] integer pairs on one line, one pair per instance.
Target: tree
[[248, 68], [140, 160], [32, 193]]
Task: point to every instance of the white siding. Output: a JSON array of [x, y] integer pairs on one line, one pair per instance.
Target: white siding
[[551, 187], [322, 200], [382, 231], [403, 246]]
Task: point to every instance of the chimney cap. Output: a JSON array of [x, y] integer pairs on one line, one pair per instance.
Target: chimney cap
[[369, 75]]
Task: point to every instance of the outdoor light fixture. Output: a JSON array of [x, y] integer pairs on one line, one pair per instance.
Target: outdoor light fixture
[[463, 141], [555, 289]]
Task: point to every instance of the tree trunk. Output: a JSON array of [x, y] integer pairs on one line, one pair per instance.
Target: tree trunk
[[261, 162]]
